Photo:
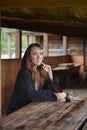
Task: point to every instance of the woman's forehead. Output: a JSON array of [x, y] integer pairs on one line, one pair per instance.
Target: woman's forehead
[[36, 49]]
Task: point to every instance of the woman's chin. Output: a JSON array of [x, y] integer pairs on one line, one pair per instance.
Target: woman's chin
[[38, 64]]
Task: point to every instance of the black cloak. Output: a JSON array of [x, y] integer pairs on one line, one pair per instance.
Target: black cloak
[[24, 91]]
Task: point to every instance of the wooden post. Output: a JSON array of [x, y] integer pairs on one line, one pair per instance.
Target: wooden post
[[45, 44], [38, 39], [0, 78], [0, 87], [17, 45], [64, 45], [27, 40], [9, 45]]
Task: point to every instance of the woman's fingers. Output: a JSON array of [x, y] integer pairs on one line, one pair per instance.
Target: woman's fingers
[[46, 67], [61, 96]]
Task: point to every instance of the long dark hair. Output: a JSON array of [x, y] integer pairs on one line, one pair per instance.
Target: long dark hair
[[41, 74]]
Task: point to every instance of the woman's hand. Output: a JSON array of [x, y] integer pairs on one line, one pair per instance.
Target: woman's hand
[[48, 69], [61, 95]]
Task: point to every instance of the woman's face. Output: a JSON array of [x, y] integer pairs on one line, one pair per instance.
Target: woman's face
[[36, 55]]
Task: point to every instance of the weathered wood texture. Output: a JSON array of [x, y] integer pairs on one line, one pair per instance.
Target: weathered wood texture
[[57, 59], [75, 44], [47, 115], [9, 72], [78, 60]]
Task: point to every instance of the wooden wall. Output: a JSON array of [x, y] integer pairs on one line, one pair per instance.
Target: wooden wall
[[10, 69], [75, 44], [8, 75], [56, 60]]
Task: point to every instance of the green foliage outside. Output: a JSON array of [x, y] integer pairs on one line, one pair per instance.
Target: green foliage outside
[[4, 39]]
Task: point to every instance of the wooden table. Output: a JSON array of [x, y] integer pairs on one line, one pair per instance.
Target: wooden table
[[68, 75], [47, 116]]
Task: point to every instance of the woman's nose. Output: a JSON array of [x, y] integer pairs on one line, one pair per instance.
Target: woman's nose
[[38, 56]]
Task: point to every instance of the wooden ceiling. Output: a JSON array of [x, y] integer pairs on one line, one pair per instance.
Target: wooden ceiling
[[59, 19]]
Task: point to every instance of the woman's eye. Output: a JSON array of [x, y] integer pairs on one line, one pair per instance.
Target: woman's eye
[[34, 53]]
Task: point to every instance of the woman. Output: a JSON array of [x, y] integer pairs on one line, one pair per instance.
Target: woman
[[35, 81]]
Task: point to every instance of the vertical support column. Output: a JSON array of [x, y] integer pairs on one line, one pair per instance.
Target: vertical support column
[[85, 54], [17, 43], [65, 45], [9, 45], [0, 77], [45, 44], [27, 40], [38, 39], [0, 88]]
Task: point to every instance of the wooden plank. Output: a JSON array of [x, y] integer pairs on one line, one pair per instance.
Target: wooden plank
[[55, 121], [44, 3], [46, 115], [0, 81], [10, 68], [41, 116], [48, 123], [63, 122], [22, 115], [77, 118]]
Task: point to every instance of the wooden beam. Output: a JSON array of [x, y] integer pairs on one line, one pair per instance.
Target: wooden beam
[[43, 27], [73, 22], [43, 3]]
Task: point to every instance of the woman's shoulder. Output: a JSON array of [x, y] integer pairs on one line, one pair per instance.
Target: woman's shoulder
[[24, 72]]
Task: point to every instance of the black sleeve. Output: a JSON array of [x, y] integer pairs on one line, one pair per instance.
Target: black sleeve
[[27, 91], [54, 84]]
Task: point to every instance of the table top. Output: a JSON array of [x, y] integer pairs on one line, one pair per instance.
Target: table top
[[57, 115], [63, 67]]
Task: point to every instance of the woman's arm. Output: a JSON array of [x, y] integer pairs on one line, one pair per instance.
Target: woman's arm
[[27, 91]]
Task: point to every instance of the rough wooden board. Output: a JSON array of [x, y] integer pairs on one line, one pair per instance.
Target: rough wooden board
[[54, 122], [30, 109], [47, 115]]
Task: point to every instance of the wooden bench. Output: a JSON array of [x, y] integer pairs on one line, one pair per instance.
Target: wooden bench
[[57, 115]]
